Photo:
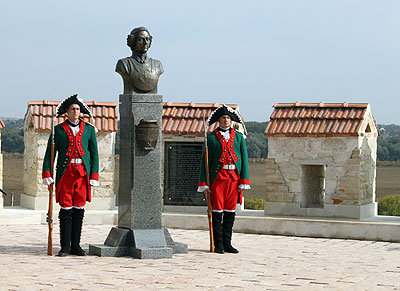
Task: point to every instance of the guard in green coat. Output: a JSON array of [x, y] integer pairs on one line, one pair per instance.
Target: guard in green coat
[[229, 175], [76, 171]]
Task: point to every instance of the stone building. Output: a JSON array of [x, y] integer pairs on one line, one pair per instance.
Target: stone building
[[1, 166], [321, 160], [38, 119], [183, 137]]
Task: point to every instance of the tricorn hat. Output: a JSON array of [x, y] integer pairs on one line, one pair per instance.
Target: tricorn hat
[[224, 110], [67, 102]]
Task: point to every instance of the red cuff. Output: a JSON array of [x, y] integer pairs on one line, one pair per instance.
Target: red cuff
[[94, 176], [46, 174], [244, 181], [202, 184]]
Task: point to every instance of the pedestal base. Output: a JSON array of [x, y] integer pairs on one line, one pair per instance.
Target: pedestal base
[[138, 243]]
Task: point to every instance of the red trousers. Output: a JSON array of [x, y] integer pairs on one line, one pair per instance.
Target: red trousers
[[224, 191], [74, 185]]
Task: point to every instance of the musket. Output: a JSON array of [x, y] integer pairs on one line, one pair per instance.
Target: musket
[[208, 196], [51, 189], [2, 191]]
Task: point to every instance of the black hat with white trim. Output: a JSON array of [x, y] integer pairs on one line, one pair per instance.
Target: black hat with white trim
[[67, 102], [224, 110]]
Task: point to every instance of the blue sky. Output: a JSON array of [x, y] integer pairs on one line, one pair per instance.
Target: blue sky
[[253, 53]]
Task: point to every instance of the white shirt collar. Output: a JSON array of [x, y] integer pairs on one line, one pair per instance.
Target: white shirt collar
[[226, 134]]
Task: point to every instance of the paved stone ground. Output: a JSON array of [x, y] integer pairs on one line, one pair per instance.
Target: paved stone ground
[[265, 262]]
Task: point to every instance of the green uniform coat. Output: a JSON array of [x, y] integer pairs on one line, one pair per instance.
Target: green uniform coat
[[65, 144], [217, 155]]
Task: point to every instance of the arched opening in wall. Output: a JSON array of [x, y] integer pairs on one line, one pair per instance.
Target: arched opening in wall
[[312, 186]]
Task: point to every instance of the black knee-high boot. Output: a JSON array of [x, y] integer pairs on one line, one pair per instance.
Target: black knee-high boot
[[227, 225], [77, 220], [217, 231], [65, 217]]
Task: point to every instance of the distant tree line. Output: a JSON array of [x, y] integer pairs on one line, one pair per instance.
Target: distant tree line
[[12, 136], [389, 143], [256, 141], [12, 139]]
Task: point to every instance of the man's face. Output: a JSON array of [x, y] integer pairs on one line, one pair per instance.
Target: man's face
[[225, 121], [142, 42], [73, 112]]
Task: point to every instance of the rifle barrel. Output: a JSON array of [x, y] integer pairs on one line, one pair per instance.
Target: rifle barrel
[[209, 208], [51, 187]]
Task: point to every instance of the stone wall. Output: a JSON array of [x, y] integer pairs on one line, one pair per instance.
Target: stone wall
[[36, 194], [105, 191], [277, 190], [349, 164], [35, 148]]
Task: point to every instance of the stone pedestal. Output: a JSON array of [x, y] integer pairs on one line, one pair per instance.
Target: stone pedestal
[[139, 233]]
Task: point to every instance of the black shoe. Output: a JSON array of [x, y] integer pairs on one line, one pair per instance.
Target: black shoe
[[77, 219], [62, 253], [227, 225], [65, 217], [230, 249], [78, 252]]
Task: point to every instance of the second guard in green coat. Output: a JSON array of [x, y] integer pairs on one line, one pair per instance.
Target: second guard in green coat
[[229, 175]]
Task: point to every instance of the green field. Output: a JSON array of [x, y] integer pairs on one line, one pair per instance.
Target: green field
[[387, 182]]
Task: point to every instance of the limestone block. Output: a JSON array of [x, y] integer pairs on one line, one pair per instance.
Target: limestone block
[[276, 188], [350, 182], [271, 166], [274, 179], [106, 176], [275, 197], [106, 163], [330, 186], [333, 144], [353, 162], [356, 154], [272, 172], [290, 171], [294, 186], [353, 192], [289, 197], [351, 202], [340, 158]]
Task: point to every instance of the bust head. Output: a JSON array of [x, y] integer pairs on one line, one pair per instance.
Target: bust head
[[139, 40]]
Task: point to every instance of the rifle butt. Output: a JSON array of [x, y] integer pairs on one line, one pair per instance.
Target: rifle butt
[[209, 208]]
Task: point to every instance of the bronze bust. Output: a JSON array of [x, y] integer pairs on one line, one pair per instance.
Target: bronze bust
[[139, 72]]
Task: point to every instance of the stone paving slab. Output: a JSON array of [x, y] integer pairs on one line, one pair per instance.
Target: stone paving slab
[[265, 262]]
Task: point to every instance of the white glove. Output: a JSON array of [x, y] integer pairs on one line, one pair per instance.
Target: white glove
[[202, 188], [244, 187], [48, 181], [94, 183]]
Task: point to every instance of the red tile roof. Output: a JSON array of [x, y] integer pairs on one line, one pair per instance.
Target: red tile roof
[[177, 118], [316, 119], [1, 124], [104, 113], [187, 118]]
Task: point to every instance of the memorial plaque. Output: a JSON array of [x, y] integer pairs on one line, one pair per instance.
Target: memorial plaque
[[181, 174]]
